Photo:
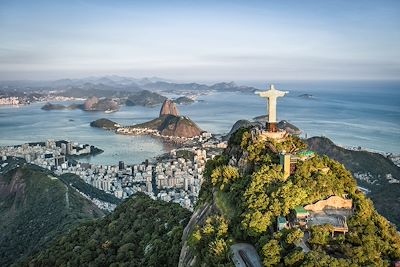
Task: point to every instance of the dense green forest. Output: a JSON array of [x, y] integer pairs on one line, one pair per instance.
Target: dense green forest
[[251, 194], [385, 195], [140, 232], [35, 207]]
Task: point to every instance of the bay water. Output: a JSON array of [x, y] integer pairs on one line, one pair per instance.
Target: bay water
[[365, 114]]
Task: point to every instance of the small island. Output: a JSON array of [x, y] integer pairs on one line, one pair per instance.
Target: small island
[[184, 100], [50, 106], [306, 96], [105, 124]]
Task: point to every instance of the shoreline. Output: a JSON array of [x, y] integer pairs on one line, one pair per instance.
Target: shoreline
[[136, 131]]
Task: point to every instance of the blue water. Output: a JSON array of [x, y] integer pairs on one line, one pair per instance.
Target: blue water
[[365, 114], [30, 123]]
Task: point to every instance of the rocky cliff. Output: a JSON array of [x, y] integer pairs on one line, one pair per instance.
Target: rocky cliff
[[179, 126], [169, 108], [90, 103], [169, 123]]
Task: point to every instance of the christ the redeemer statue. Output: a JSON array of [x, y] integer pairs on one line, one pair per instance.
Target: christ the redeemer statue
[[272, 94]]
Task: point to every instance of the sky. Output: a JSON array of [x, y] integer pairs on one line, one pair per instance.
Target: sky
[[201, 40]]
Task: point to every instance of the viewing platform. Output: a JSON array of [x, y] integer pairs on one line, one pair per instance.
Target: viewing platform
[[279, 136]]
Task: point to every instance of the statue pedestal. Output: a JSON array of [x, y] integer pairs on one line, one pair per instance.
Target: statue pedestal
[[278, 136], [271, 127]]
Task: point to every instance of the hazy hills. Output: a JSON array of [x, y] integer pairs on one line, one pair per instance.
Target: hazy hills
[[145, 98], [78, 87]]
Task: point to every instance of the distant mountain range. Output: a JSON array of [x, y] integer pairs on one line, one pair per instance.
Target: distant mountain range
[[118, 83]]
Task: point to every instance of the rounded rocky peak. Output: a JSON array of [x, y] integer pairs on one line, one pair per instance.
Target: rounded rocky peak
[[90, 102], [169, 108]]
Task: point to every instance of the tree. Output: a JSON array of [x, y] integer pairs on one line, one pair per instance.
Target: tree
[[320, 235], [294, 236], [223, 176], [218, 248], [294, 258], [271, 252]]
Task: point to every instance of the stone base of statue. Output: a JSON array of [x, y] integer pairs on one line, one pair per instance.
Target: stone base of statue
[[271, 127], [278, 136]]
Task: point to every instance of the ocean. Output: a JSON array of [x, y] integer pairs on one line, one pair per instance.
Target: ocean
[[365, 114]]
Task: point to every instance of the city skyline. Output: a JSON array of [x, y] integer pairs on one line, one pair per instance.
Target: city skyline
[[237, 40]]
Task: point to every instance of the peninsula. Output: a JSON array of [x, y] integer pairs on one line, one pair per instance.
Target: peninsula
[[168, 125]]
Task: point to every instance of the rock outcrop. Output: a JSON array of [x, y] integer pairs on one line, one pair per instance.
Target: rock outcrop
[[95, 104], [260, 121], [169, 108], [240, 124], [90, 103], [169, 123], [288, 127], [179, 126], [333, 202]]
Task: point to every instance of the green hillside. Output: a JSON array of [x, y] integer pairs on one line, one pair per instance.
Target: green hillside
[[34, 208], [248, 195], [140, 232], [385, 195]]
